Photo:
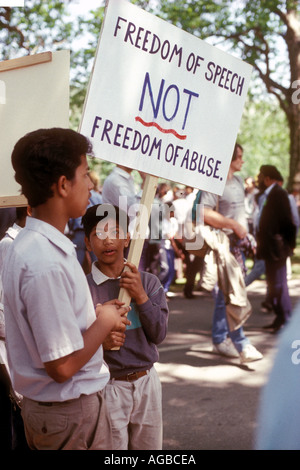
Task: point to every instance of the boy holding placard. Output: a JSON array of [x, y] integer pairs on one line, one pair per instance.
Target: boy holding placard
[[133, 394]]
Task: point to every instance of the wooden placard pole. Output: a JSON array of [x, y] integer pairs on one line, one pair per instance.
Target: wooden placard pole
[[140, 230]]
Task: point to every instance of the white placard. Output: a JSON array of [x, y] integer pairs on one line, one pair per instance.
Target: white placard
[[163, 101], [31, 97]]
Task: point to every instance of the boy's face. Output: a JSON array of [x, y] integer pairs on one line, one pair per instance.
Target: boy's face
[[107, 240], [81, 185]]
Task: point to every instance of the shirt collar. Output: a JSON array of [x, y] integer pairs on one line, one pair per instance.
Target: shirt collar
[[98, 275], [269, 189], [13, 231], [51, 233]]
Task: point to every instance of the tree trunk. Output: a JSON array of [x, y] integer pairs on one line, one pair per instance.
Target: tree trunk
[[294, 124], [291, 102]]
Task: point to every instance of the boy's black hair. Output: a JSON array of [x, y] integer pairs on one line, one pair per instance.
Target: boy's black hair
[[41, 157], [98, 212]]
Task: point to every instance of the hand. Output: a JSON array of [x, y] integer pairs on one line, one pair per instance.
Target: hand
[[131, 281], [113, 340], [114, 315], [239, 230], [116, 302]]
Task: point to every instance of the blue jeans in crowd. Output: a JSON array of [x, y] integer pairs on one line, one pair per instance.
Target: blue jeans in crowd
[[258, 269], [220, 328], [168, 273]]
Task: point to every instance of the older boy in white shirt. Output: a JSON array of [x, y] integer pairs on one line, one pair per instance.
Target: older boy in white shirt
[[54, 335]]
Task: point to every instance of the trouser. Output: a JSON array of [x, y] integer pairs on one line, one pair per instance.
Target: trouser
[[193, 267], [136, 412], [278, 289], [220, 328], [79, 424], [167, 259]]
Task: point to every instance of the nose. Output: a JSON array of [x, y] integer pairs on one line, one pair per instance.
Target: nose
[[107, 240]]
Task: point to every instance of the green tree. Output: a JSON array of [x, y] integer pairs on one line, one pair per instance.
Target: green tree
[[37, 27], [264, 137], [264, 33], [48, 26]]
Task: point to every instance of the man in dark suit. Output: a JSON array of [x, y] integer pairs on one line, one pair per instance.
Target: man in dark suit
[[276, 239]]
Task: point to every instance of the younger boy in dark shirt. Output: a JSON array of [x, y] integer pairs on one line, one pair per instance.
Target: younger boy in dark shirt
[[133, 393]]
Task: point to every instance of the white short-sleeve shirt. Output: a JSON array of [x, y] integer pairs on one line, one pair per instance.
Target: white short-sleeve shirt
[[47, 307], [231, 204]]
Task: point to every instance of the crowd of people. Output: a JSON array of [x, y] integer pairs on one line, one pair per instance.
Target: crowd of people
[[67, 343]]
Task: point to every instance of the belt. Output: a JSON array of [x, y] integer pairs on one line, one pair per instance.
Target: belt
[[132, 376], [56, 403]]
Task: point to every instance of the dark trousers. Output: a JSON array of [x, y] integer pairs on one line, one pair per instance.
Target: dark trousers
[[12, 436], [192, 268], [278, 290]]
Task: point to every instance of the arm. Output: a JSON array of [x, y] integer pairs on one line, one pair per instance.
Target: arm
[[217, 220], [108, 317]]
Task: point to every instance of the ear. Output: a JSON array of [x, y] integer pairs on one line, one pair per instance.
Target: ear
[[127, 240], [63, 185], [87, 243]]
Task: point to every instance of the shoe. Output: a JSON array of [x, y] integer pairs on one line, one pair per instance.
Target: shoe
[[250, 354], [276, 325], [188, 295], [169, 294], [266, 306], [226, 348], [271, 326]]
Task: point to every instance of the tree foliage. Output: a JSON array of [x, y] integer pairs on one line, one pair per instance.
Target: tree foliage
[[265, 33]]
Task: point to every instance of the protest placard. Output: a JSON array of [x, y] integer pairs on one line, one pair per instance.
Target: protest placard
[[162, 101], [34, 93]]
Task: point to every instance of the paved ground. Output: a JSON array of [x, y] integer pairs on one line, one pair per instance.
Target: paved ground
[[210, 402]]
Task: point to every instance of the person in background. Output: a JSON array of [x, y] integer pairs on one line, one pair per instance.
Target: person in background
[[7, 218], [278, 416], [12, 436], [251, 206], [195, 263], [227, 212], [168, 247], [276, 240]]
